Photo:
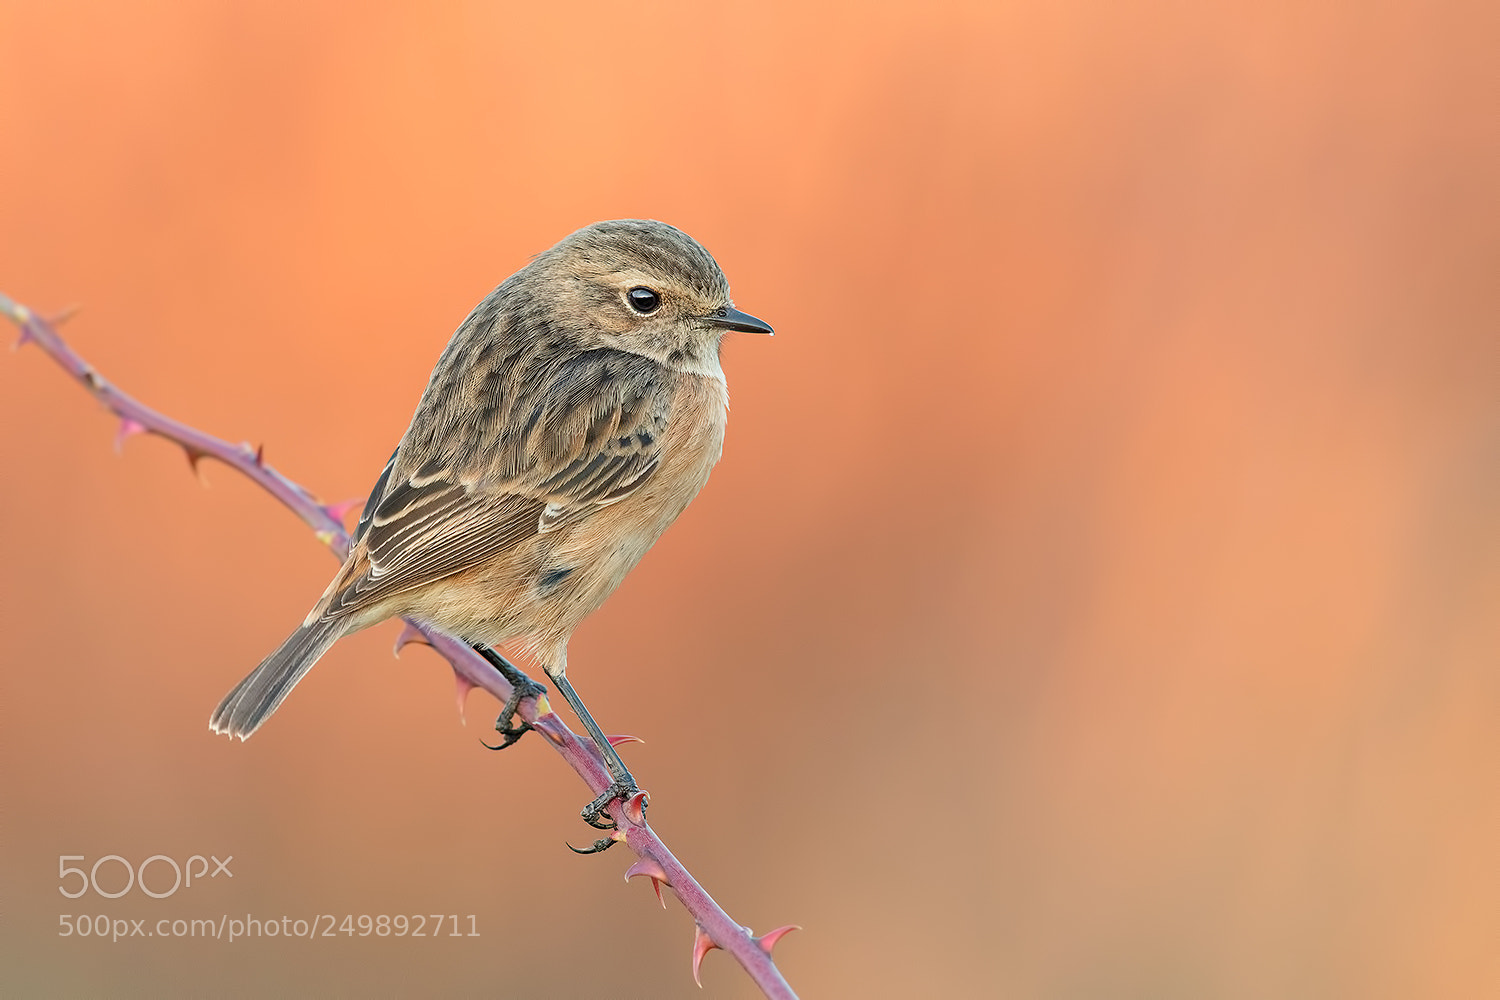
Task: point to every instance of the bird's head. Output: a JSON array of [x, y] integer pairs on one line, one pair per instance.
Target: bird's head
[[642, 287]]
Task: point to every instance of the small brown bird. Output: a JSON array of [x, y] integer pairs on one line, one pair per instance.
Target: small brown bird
[[572, 417]]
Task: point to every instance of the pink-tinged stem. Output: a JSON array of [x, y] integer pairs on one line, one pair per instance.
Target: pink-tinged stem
[[715, 928]]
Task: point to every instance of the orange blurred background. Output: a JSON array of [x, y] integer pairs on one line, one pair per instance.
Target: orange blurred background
[[1098, 596]]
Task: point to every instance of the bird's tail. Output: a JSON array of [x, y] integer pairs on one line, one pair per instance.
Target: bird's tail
[[254, 699]]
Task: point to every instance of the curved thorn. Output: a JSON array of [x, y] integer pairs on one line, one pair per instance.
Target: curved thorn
[[702, 945], [337, 511], [409, 634], [616, 741], [128, 428], [768, 940], [650, 868], [64, 314], [194, 456], [462, 686], [634, 808]]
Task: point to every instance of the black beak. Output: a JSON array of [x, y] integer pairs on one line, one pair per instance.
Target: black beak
[[733, 319]]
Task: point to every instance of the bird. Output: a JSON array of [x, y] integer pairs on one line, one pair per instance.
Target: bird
[[571, 418]]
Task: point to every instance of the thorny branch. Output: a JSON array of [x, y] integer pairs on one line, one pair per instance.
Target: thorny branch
[[715, 928]]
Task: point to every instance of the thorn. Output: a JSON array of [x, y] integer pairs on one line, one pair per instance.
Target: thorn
[[653, 871], [64, 314], [260, 455], [702, 945], [463, 686], [634, 808], [194, 456], [409, 634], [128, 428], [768, 940], [616, 741], [649, 867], [338, 510]]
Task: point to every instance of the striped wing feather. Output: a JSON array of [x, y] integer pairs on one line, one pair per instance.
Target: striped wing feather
[[592, 435]]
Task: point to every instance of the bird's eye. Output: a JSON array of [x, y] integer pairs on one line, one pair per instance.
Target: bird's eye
[[643, 299]]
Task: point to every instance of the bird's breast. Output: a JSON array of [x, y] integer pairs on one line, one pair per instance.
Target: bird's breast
[[587, 560], [691, 445]]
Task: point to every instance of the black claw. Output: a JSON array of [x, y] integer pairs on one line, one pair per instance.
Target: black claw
[[600, 846], [600, 820], [521, 688], [511, 734], [594, 814]]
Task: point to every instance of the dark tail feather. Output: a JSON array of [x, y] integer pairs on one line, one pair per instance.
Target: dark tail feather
[[254, 699]]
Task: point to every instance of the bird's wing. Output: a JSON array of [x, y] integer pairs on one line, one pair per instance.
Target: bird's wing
[[580, 434]]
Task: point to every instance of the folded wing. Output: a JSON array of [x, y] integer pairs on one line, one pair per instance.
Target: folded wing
[[527, 455]]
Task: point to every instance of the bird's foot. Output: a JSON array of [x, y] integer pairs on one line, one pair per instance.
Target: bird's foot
[[508, 725], [595, 816], [594, 813], [521, 688]]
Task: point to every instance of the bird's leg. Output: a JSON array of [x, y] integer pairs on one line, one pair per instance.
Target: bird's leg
[[521, 687], [623, 785]]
